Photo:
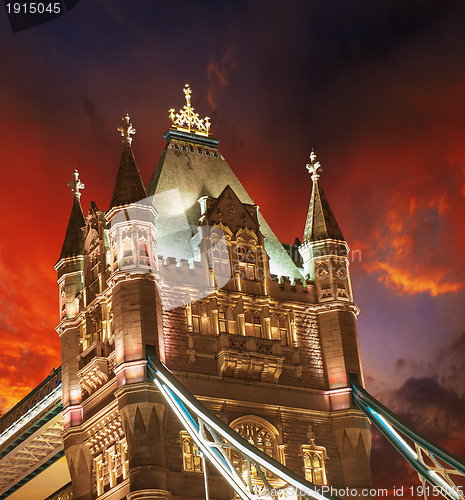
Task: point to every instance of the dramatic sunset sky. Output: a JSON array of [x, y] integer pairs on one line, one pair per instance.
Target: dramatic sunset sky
[[376, 87]]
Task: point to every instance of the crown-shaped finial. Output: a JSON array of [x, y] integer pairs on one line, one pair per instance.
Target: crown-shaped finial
[[126, 130], [188, 121], [76, 185], [314, 167]]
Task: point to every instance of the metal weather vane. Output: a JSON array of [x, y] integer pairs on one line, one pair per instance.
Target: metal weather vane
[[186, 120]]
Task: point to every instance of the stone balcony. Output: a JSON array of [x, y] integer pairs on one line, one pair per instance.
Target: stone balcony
[[250, 358], [237, 356]]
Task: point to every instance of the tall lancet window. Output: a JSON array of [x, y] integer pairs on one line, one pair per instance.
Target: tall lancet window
[[144, 256], [247, 262], [128, 250], [221, 263]]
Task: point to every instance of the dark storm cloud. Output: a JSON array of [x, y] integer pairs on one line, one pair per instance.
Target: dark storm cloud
[[434, 411], [434, 405]]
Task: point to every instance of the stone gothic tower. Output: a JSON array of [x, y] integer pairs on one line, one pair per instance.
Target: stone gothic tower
[[190, 267]]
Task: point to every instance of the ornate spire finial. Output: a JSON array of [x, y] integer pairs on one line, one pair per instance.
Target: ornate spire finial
[[314, 167], [126, 130], [187, 93], [76, 185], [188, 121]]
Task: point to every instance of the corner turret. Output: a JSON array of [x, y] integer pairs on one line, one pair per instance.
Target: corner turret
[[70, 264], [129, 187], [324, 250]]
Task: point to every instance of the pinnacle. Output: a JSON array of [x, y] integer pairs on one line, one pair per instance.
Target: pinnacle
[[129, 187], [73, 243], [321, 223]]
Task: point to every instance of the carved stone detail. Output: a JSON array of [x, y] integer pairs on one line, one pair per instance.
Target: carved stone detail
[[93, 375], [249, 358]]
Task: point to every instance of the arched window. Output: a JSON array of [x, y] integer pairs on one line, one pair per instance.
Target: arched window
[[144, 257], [191, 459], [314, 461], [221, 263], [260, 434], [128, 252]]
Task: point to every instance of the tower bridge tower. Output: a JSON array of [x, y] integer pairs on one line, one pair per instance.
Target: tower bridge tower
[[189, 267]]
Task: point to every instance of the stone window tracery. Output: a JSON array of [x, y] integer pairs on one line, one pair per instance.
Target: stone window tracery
[[144, 256], [314, 466], [314, 458], [260, 434], [128, 250], [221, 263], [191, 458], [247, 261]]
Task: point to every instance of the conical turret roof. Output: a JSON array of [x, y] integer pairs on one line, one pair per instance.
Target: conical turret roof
[[129, 187], [321, 223], [73, 243]]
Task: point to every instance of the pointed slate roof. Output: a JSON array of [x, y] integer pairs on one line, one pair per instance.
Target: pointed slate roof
[[73, 243], [188, 169], [321, 223], [129, 187]]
